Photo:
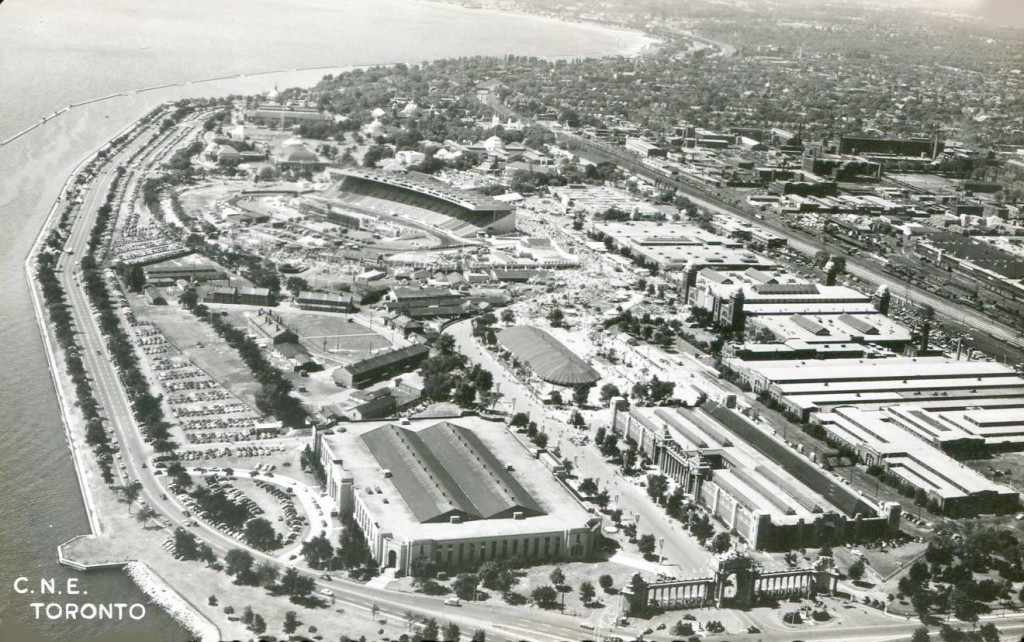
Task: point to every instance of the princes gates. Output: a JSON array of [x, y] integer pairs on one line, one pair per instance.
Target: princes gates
[[736, 582]]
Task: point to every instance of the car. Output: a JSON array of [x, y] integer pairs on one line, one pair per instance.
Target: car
[[452, 601], [753, 629], [327, 591], [587, 625], [325, 576]]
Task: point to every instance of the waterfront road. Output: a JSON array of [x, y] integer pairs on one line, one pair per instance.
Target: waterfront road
[[499, 620]]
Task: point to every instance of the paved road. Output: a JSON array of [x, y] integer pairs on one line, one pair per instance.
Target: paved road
[[682, 553], [499, 620]]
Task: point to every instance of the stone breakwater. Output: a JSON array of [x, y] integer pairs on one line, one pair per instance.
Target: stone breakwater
[[169, 600]]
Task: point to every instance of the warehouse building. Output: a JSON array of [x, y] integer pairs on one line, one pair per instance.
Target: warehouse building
[[380, 366], [806, 387], [772, 496], [457, 493], [879, 440], [325, 302], [191, 267], [241, 296], [673, 247]]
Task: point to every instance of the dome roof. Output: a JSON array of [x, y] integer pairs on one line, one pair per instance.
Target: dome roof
[[301, 155]]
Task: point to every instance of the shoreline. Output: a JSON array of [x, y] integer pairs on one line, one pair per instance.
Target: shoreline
[[646, 42], [161, 593], [176, 606], [171, 601]]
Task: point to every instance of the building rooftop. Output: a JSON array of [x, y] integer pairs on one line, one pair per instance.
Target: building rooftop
[[392, 485], [909, 457], [549, 358], [426, 185], [444, 470]]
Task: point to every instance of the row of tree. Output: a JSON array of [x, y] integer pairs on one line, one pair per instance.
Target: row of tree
[[274, 397]]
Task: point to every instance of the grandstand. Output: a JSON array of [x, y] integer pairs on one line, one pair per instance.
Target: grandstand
[[422, 200]]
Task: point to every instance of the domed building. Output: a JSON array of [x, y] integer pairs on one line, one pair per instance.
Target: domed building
[[298, 157], [374, 129]]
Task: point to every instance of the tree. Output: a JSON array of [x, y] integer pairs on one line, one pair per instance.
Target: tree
[[921, 635], [588, 487], [657, 486], [963, 605], [296, 284], [465, 586], [587, 592], [237, 561], [556, 398], [318, 552], [185, 544], [430, 630], [145, 514], [856, 570], [131, 492], [544, 596], [266, 573], [721, 542], [258, 626], [580, 395], [988, 632], [556, 317], [295, 585], [260, 534], [479, 636], [291, 622], [608, 392], [247, 615], [918, 573], [508, 317], [189, 298], [450, 632], [646, 544], [606, 582], [557, 577], [422, 569]]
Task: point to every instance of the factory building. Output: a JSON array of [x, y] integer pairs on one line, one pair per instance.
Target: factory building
[[772, 496]]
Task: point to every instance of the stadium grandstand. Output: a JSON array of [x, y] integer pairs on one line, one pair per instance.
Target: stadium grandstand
[[424, 201]]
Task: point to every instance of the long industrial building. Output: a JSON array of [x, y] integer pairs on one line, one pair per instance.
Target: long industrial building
[[936, 383], [881, 438], [673, 247], [772, 496], [457, 493]]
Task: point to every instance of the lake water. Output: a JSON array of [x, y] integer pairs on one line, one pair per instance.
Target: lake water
[[55, 53]]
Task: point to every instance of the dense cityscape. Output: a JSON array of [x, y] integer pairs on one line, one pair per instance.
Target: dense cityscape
[[720, 340]]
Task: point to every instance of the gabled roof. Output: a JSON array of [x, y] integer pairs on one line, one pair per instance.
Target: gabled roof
[[445, 470]]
